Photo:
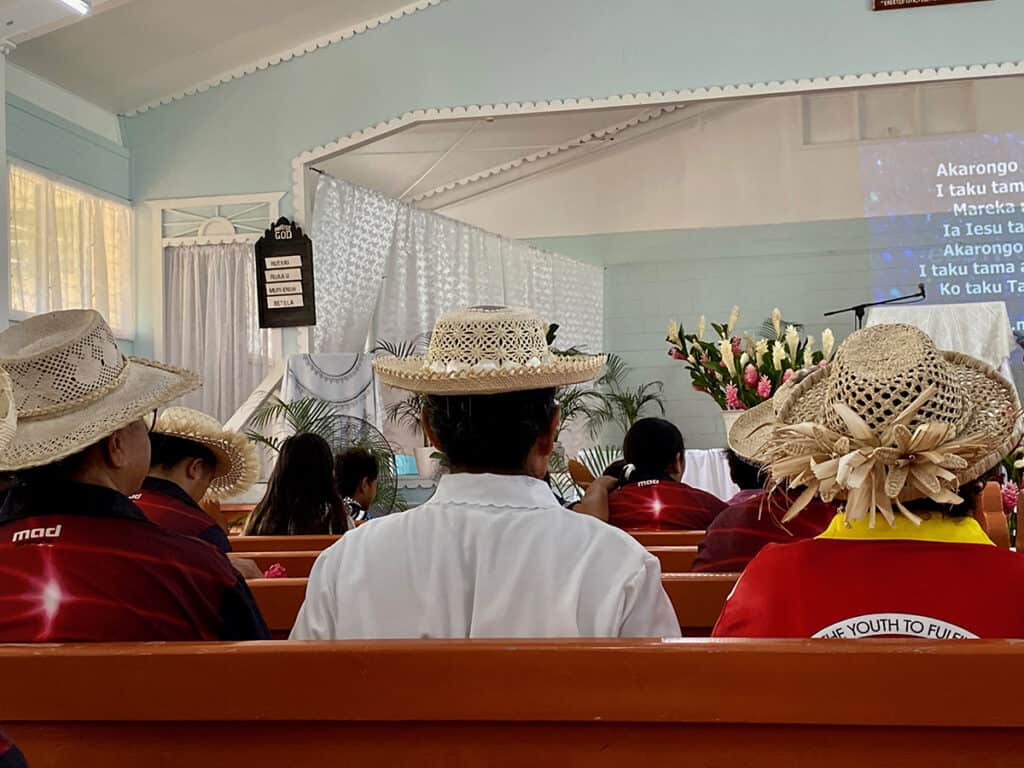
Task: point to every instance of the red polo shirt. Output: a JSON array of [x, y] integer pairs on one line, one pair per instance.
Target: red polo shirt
[[944, 580], [662, 505], [167, 505], [744, 528], [81, 563]]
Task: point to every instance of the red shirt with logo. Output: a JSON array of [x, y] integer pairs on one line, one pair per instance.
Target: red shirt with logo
[[81, 563], [752, 522], [662, 505], [942, 581], [167, 505]]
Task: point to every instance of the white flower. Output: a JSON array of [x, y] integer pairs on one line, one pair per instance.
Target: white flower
[[727, 357], [792, 342], [438, 367], [486, 365], [734, 317], [760, 350], [778, 355], [744, 359], [828, 343], [673, 333], [457, 366], [702, 326], [777, 322], [809, 352]]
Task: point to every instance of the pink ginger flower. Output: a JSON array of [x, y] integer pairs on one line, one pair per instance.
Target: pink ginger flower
[[823, 364], [764, 388], [787, 375], [750, 376], [1010, 495], [276, 571], [732, 397], [737, 345], [677, 354]]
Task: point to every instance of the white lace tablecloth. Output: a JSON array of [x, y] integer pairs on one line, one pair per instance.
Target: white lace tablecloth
[[343, 379], [981, 330]]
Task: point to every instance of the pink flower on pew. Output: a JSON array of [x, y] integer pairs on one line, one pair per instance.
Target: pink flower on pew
[[1010, 495], [732, 397], [787, 375], [750, 376], [764, 388], [276, 571]]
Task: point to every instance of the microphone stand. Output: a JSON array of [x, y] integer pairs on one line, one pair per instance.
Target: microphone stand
[[859, 309]]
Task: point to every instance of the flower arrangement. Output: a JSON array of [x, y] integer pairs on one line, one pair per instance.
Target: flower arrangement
[[740, 372]]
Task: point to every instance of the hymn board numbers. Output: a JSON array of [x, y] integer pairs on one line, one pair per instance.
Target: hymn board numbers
[[284, 277]]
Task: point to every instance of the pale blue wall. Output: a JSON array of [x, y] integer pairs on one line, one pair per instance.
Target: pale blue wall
[[54, 144]]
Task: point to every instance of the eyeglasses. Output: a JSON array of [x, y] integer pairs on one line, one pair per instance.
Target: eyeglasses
[[152, 422]]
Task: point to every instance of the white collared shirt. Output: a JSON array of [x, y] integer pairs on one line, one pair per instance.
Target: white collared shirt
[[487, 556]]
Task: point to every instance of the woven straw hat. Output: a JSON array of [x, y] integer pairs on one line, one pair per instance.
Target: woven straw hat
[[237, 462], [8, 414], [892, 419], [73, 387], [751, 430], [487, 351]]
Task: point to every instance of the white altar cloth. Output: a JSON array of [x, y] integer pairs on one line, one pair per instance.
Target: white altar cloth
[[343, 379], [981, 330]]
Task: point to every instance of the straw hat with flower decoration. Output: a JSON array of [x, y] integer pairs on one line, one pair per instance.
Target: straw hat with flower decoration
[[237, 463], [487, 351], [890, 420]]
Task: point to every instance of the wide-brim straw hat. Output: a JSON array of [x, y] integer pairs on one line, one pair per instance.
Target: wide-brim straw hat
[[8, 413], [72, 386], [487, 351], [750, 432], [237, 462], [891, 419]]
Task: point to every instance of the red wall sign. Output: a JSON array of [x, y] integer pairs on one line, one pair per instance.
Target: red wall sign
[[896, 5]]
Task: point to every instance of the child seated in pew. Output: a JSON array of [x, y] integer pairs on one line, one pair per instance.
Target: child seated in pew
[[356, 473], [492, 554], [898, 433], [302, 497], [649, 493], [80, 562]]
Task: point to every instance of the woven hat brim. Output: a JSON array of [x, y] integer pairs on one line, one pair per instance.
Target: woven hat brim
[[992, 399], [237, 463], [413, 374], [8, 414], [146, 387], [750, 432]]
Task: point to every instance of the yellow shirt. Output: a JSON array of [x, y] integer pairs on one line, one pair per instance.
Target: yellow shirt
[[934, 527]]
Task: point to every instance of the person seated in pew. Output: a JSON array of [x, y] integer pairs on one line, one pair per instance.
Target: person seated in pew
[[492, 554], [193, 458], [82, 563], [302, 497], [754, 516], [650, 494], [356, 473], [10, 755], [898, 433]]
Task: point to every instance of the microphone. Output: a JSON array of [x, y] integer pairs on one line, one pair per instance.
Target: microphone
[[920, 288]]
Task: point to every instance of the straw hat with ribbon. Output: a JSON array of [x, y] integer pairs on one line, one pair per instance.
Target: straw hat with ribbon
[[72, 386], [237, 462], [890, 420], [487, 351]]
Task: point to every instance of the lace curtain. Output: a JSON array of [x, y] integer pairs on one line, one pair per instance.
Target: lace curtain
[[211, 324], [376, 256]]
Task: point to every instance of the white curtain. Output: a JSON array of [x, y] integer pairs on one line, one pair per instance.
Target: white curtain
[[373, 253], [69, 249], [211, 324]]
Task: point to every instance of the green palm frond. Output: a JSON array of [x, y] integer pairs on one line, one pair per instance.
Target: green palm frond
[[615, 372], [598, 458], [768, 330], [408, 348], [307, 415]]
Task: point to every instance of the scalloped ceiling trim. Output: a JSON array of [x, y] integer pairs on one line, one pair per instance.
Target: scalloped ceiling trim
[[283, 56], [653, 98]]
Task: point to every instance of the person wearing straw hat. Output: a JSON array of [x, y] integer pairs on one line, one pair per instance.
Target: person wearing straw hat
[[194, 457], [492, 554], [899, 435], [754, 516], [83, 563]]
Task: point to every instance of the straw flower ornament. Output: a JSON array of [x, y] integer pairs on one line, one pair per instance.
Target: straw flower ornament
[[890, 420]]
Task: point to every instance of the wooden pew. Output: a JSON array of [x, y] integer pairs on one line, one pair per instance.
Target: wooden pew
[[697, 597], [281, 543], [297, 564], [668, 538], [989, 514], [599, 704], [674, 559]]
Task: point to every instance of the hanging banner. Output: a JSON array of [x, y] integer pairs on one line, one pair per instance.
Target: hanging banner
[[284, 277], [896, 5]]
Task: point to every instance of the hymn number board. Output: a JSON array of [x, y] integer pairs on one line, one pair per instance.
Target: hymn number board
[[284, 277]]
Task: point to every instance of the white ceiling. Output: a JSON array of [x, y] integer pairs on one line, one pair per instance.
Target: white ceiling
[[131, 52], [437, 164]]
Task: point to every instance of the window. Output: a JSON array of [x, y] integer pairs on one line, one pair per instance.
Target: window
[[69, 249]]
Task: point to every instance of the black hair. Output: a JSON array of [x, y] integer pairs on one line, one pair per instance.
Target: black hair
[[744, 474], [651, 445], [969, 492], [168, 451], [351, 467], [301, 497], [490, 432], [58, 472]]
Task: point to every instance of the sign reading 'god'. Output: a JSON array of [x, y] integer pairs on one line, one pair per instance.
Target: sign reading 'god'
[[284, 277], [895, 5]]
